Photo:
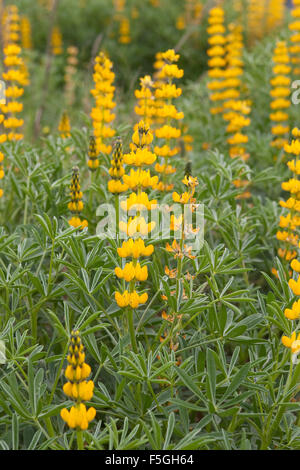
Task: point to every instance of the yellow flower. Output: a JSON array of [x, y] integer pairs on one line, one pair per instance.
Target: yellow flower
[[294, 312], [182, 199], [76, 222], [190, 181], [280, 103], [78, 417], [116, 171], [64, 126], [293, 342], [166, 151], [296, 132], [238, 138], [291, 203], [176, 223], [140, 178], [286, 254], [77, 387], [76, 204], [93, 161], [287, 237], [279, 116], [132, 271], [168, 132], [140, 157], [293, 147], [295, 265], [293, 186], [136, 225], [139, 202], [167, 91], [294, 166], [56, 41], [103, 93], [116, 186], [295, 286], [132, 299], [167, 169], [135, 249]]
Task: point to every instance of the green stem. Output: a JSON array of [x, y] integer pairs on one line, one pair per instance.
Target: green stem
[[51, 267], [289, 379], [117, 207], [34, 315], [49, 427], [154, 397], [180, 261], [131, 330], [79, 440], [26, 201], [93, 173]]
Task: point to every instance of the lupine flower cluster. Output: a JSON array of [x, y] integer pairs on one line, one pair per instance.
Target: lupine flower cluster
[[103, 93], [64, 126], [76, 205], [93, 160], [116, 171], [15, 81], [78, 388], [181, 305], [236, 110], [225, 84], [275, 14], [289, 223], [10, 25], [56, 41], [26, 35], [122, 21], [255, 16], [124, 31], [168, 134], [70, 74], [136, 227], [294, 27], [216, 54], [146, 106], [280, 95], [263, 16]]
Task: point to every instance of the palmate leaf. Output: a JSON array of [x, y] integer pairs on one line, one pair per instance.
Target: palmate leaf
[[189, 383]]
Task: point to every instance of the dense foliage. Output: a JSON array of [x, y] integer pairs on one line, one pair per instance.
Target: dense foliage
[[199, 362]]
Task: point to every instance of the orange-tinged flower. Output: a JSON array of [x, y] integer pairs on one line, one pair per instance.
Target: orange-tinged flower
[[295, 286], [293, 342], [294, 312]]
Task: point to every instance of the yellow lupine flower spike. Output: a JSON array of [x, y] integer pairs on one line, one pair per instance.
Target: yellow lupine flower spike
[[167, 115], [77, 387], [279, 93], [76, 205], [93, 161], [103, 93], [64, 126], [115, 185]]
